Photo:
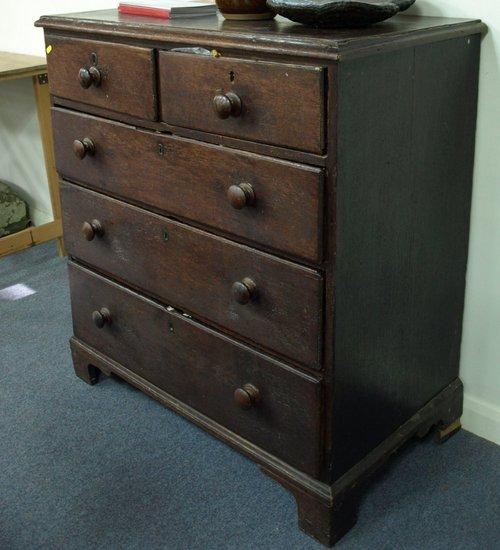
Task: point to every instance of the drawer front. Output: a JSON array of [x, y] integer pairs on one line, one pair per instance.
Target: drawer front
[[127, 75], [201, 368], [200, 273], [282, 209], [281, 104]]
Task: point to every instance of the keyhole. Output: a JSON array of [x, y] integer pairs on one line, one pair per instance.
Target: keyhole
[[93, 59], [231, 76]]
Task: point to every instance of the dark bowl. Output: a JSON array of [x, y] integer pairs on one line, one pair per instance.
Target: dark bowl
[[338, 13]]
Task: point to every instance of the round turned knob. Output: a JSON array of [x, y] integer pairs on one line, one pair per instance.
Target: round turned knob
[[101, 317], [241, 195], [226, 105], [92, 229], [244, 291], [83, 147], [86, 77], [247, 396]]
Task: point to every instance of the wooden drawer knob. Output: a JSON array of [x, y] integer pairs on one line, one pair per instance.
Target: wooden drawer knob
[[87, 77], [83, 147], [227, 105], [101, 317], [247, 396], [92, 229], [241, 195], [244, 291]]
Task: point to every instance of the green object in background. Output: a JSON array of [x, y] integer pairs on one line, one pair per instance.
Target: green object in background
[[14, 212]]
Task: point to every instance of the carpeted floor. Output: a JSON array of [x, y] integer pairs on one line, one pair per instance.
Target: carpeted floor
[[107, 467]]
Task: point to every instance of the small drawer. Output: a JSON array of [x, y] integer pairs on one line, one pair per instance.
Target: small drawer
[[256, 397], [115, 77], [275, 103], [274, 203], [271, 302]]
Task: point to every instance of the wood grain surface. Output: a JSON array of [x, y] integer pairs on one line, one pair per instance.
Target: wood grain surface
[[128, 81], [202, 368], [282, 104], [16, 65], [195, 271], [190, 180]]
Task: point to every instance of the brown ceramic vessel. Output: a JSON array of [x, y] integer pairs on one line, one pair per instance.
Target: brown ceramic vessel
[[244, 9]]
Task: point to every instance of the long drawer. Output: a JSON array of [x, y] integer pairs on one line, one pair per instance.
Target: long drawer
[[201, 368], [274, 203], [263, 299], [269, 102], [114, 76]]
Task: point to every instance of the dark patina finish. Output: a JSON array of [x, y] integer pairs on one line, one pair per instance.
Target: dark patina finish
[[271, 239]]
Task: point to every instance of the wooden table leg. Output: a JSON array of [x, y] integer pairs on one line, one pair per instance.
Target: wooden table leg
[[42, 97]]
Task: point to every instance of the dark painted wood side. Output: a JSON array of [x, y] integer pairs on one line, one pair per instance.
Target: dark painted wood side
[[190, 180], [282, 104], [406, 126], [128, 75], [202, 368], [328, 518], [195, 271]]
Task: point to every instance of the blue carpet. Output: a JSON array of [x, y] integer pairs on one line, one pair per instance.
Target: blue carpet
[[107, 467]]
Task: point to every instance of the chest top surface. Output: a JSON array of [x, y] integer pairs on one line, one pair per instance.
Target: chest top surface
[[277, 34]]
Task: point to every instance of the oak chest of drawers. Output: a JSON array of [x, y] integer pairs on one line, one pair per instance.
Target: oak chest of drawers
[[267, 228]]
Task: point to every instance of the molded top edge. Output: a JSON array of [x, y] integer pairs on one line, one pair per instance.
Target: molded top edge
[[279, 35]]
